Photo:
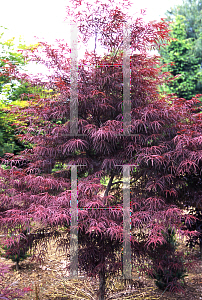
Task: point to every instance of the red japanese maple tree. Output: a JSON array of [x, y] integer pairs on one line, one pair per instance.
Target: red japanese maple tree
[[164, 145]]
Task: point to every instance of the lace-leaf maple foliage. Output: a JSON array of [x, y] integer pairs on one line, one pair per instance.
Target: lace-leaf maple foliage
[[165, 146]]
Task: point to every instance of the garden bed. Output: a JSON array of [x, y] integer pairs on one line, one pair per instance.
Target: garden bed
[[50, 281]]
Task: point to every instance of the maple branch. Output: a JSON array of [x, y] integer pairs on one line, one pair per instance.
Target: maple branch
[[120, 181], [117, 50], [109, 185], [95, 40], [117, 182]]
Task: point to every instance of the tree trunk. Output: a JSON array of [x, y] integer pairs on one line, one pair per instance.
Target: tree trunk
[[201, 247], [109, 185], [17, 265], [102, 281]]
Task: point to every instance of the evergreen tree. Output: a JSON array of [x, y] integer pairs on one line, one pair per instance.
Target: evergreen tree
[[162, 270], [191, 10], [181, 62]]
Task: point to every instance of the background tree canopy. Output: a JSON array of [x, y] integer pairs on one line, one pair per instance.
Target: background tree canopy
[[11, 92], [184, 53], [11, 60]]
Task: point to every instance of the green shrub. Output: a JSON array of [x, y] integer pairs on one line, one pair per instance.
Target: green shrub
[[167, 264]]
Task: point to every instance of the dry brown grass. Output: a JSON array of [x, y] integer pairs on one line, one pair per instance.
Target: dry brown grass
[[50, 282]]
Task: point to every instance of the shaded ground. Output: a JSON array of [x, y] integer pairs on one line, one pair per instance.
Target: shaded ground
[[49, 281]]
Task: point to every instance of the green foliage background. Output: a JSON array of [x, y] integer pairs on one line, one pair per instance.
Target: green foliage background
[[11, 91], [182, 61]]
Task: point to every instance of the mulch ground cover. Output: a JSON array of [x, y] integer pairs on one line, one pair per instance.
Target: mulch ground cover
[[50, 281]]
